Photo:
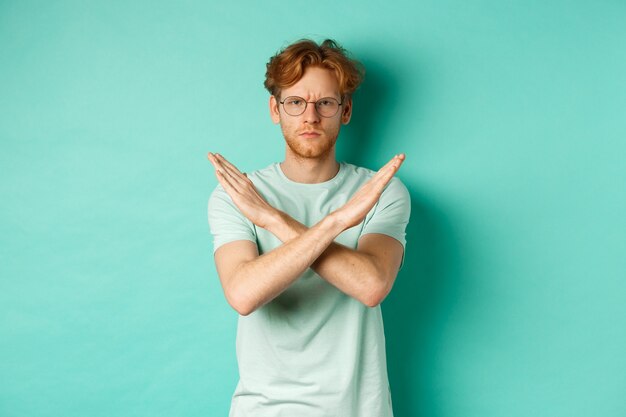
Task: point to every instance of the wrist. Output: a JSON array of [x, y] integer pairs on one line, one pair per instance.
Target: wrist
[[335, 222], [274, 221], [283, 226]]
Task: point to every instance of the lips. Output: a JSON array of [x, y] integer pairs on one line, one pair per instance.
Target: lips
[[310, 133]]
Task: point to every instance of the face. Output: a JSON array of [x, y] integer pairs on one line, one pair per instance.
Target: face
[[310, 135]]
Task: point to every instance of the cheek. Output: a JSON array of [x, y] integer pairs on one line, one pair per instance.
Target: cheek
[[286, 128], [285, 124], [334, 127]]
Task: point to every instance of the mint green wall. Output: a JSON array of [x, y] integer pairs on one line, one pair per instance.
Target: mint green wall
[[513, 298]]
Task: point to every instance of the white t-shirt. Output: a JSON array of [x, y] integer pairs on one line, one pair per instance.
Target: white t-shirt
[[312, 351]]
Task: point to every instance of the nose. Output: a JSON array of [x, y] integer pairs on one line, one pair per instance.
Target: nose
[[310, 114]]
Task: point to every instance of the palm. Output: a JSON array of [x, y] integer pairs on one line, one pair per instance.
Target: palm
[[242, 191], [355, 210]]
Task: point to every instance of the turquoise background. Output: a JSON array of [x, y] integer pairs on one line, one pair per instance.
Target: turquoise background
[[512, 301]]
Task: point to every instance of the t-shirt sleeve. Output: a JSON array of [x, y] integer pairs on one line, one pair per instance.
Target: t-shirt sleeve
[[391, 213], [226, 222]]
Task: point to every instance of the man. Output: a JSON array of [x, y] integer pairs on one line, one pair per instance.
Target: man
[[307, 249]]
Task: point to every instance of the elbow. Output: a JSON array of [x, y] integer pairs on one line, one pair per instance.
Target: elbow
[[243, 310], [379, 286], [238, 296], [373, 300], [240, 301], [376, 294]]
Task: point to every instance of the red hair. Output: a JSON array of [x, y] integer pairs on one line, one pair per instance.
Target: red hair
[[287, 67]]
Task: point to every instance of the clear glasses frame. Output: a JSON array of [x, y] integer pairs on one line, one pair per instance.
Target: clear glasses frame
[[325, 107]]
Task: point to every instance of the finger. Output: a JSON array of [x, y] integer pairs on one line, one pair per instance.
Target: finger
[[392, 161], [384, 175], [212, 159], [399, 159], [232, 170], [216, 164], [391, 170], [227, 183], [226, 162], [221, 167], [389, 167], [230, 184]]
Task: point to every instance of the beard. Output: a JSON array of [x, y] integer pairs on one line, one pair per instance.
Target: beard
[[311, 148]]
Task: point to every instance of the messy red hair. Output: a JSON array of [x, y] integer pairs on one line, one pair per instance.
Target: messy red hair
[[287, 67]]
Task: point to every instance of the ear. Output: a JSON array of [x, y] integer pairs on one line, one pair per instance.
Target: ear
[[346, 110], [274, 110]]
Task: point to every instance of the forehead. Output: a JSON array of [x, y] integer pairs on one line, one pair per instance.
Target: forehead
[[316, 82]]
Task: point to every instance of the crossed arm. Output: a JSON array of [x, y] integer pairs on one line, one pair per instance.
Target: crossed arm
[[250, 280]]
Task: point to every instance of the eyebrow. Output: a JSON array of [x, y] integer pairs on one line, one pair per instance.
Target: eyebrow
[[338, 97]]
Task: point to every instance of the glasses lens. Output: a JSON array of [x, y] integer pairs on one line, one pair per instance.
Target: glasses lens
[[327, 106], [294, 106]]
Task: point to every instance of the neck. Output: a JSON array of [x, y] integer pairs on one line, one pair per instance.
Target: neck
[[310, 170]]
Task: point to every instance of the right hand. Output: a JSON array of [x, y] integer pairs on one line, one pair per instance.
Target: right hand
[[243, 192], [355, 210]]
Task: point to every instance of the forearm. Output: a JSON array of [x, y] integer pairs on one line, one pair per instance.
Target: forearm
[[260, 280], [352, 272], [254, 280]]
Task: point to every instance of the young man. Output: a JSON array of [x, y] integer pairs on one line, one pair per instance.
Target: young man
[[307, 249]]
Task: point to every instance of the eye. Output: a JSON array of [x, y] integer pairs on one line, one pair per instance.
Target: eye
[[294, 101], [327, 102]]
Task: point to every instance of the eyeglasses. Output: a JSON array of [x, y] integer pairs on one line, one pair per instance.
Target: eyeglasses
[[326, 107]]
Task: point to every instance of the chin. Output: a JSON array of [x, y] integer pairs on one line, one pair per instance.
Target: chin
[[312, 151]]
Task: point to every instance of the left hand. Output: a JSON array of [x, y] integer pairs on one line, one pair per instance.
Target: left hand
[[355, 210], [242, 191]]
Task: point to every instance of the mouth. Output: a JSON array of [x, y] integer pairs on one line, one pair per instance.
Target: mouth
[[310, 134]]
